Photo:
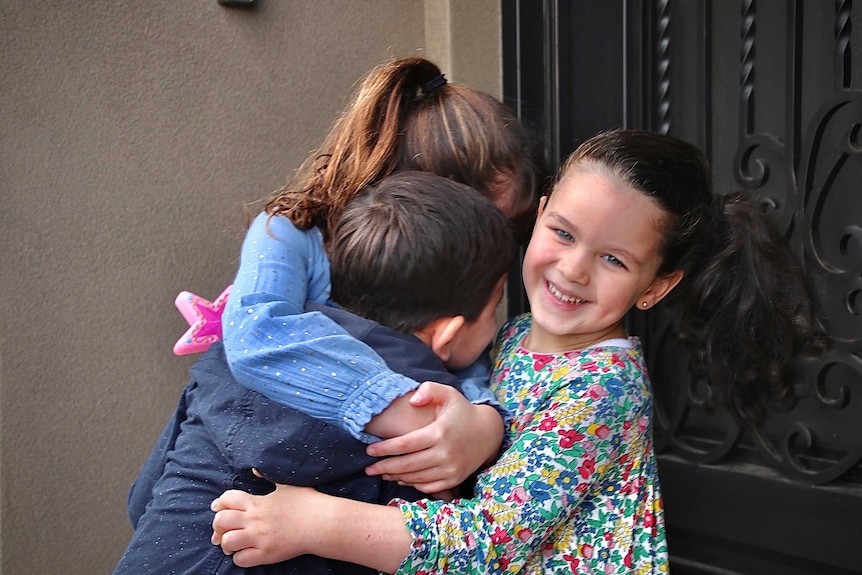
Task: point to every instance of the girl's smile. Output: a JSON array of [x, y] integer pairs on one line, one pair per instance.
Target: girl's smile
[[593, 255], [563, 297]]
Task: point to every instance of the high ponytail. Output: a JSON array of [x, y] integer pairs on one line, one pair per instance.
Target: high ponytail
[[362, 147], [406, 116]]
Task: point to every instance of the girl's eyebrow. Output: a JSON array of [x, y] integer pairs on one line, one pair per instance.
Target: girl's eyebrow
[[626, 255], [562, 220]]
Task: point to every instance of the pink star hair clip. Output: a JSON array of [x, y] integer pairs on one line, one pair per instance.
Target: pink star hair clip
[[204, 319]]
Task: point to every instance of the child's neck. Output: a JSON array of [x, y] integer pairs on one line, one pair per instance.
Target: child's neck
[[541, 341]]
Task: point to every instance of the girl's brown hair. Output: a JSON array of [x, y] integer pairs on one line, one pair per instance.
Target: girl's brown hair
[[404, 116]]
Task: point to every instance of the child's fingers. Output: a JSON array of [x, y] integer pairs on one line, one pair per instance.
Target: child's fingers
[[406, 468], [238, 542], [250, 557], [412, 442], [409, 463], [224, 522], [233, 499], [429, 481], [431, 392], [425, 478]]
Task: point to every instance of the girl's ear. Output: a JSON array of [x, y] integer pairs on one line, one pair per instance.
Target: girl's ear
[[658, 289], [440, 333]]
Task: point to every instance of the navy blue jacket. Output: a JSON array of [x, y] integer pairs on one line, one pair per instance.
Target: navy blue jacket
[[221, 430]]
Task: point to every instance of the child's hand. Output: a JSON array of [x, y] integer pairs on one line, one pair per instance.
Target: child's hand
[[463, 438], [261, 529]]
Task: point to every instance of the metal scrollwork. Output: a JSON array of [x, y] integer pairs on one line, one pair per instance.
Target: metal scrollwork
[[816, 198]]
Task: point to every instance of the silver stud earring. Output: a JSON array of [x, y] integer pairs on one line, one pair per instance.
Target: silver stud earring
[[645, 305]]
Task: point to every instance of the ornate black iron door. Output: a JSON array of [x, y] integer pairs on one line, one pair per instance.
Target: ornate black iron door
[[771, 90]]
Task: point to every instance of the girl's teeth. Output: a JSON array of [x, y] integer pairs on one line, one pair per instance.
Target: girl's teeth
[[564, 298]]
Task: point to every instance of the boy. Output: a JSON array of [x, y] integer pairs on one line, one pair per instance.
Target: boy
[[418, 254]]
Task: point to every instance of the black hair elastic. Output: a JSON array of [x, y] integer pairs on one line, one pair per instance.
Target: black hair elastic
[[433, 84]]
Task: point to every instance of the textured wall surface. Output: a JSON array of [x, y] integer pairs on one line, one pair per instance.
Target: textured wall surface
[[131, 136]]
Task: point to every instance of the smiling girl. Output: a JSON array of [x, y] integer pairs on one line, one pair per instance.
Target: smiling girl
[[631, 220]]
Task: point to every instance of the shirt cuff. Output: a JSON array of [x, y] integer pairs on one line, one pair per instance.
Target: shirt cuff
[[371, 399]]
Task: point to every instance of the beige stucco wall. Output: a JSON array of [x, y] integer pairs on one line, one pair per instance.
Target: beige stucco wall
[[131, 134]]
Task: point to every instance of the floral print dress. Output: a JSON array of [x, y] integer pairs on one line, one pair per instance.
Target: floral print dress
[[577, 489]]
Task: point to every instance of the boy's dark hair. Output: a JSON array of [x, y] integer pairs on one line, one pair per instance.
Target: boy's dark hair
[[747, 305], [418, 247]]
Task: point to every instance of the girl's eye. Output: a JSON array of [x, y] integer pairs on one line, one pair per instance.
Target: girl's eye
[[614, 261], [563, 234]]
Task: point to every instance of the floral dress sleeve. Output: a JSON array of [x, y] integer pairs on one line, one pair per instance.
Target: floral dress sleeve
[[537, 509]]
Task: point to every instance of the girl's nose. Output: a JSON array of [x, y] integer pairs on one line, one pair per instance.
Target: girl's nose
[[574, 266]]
